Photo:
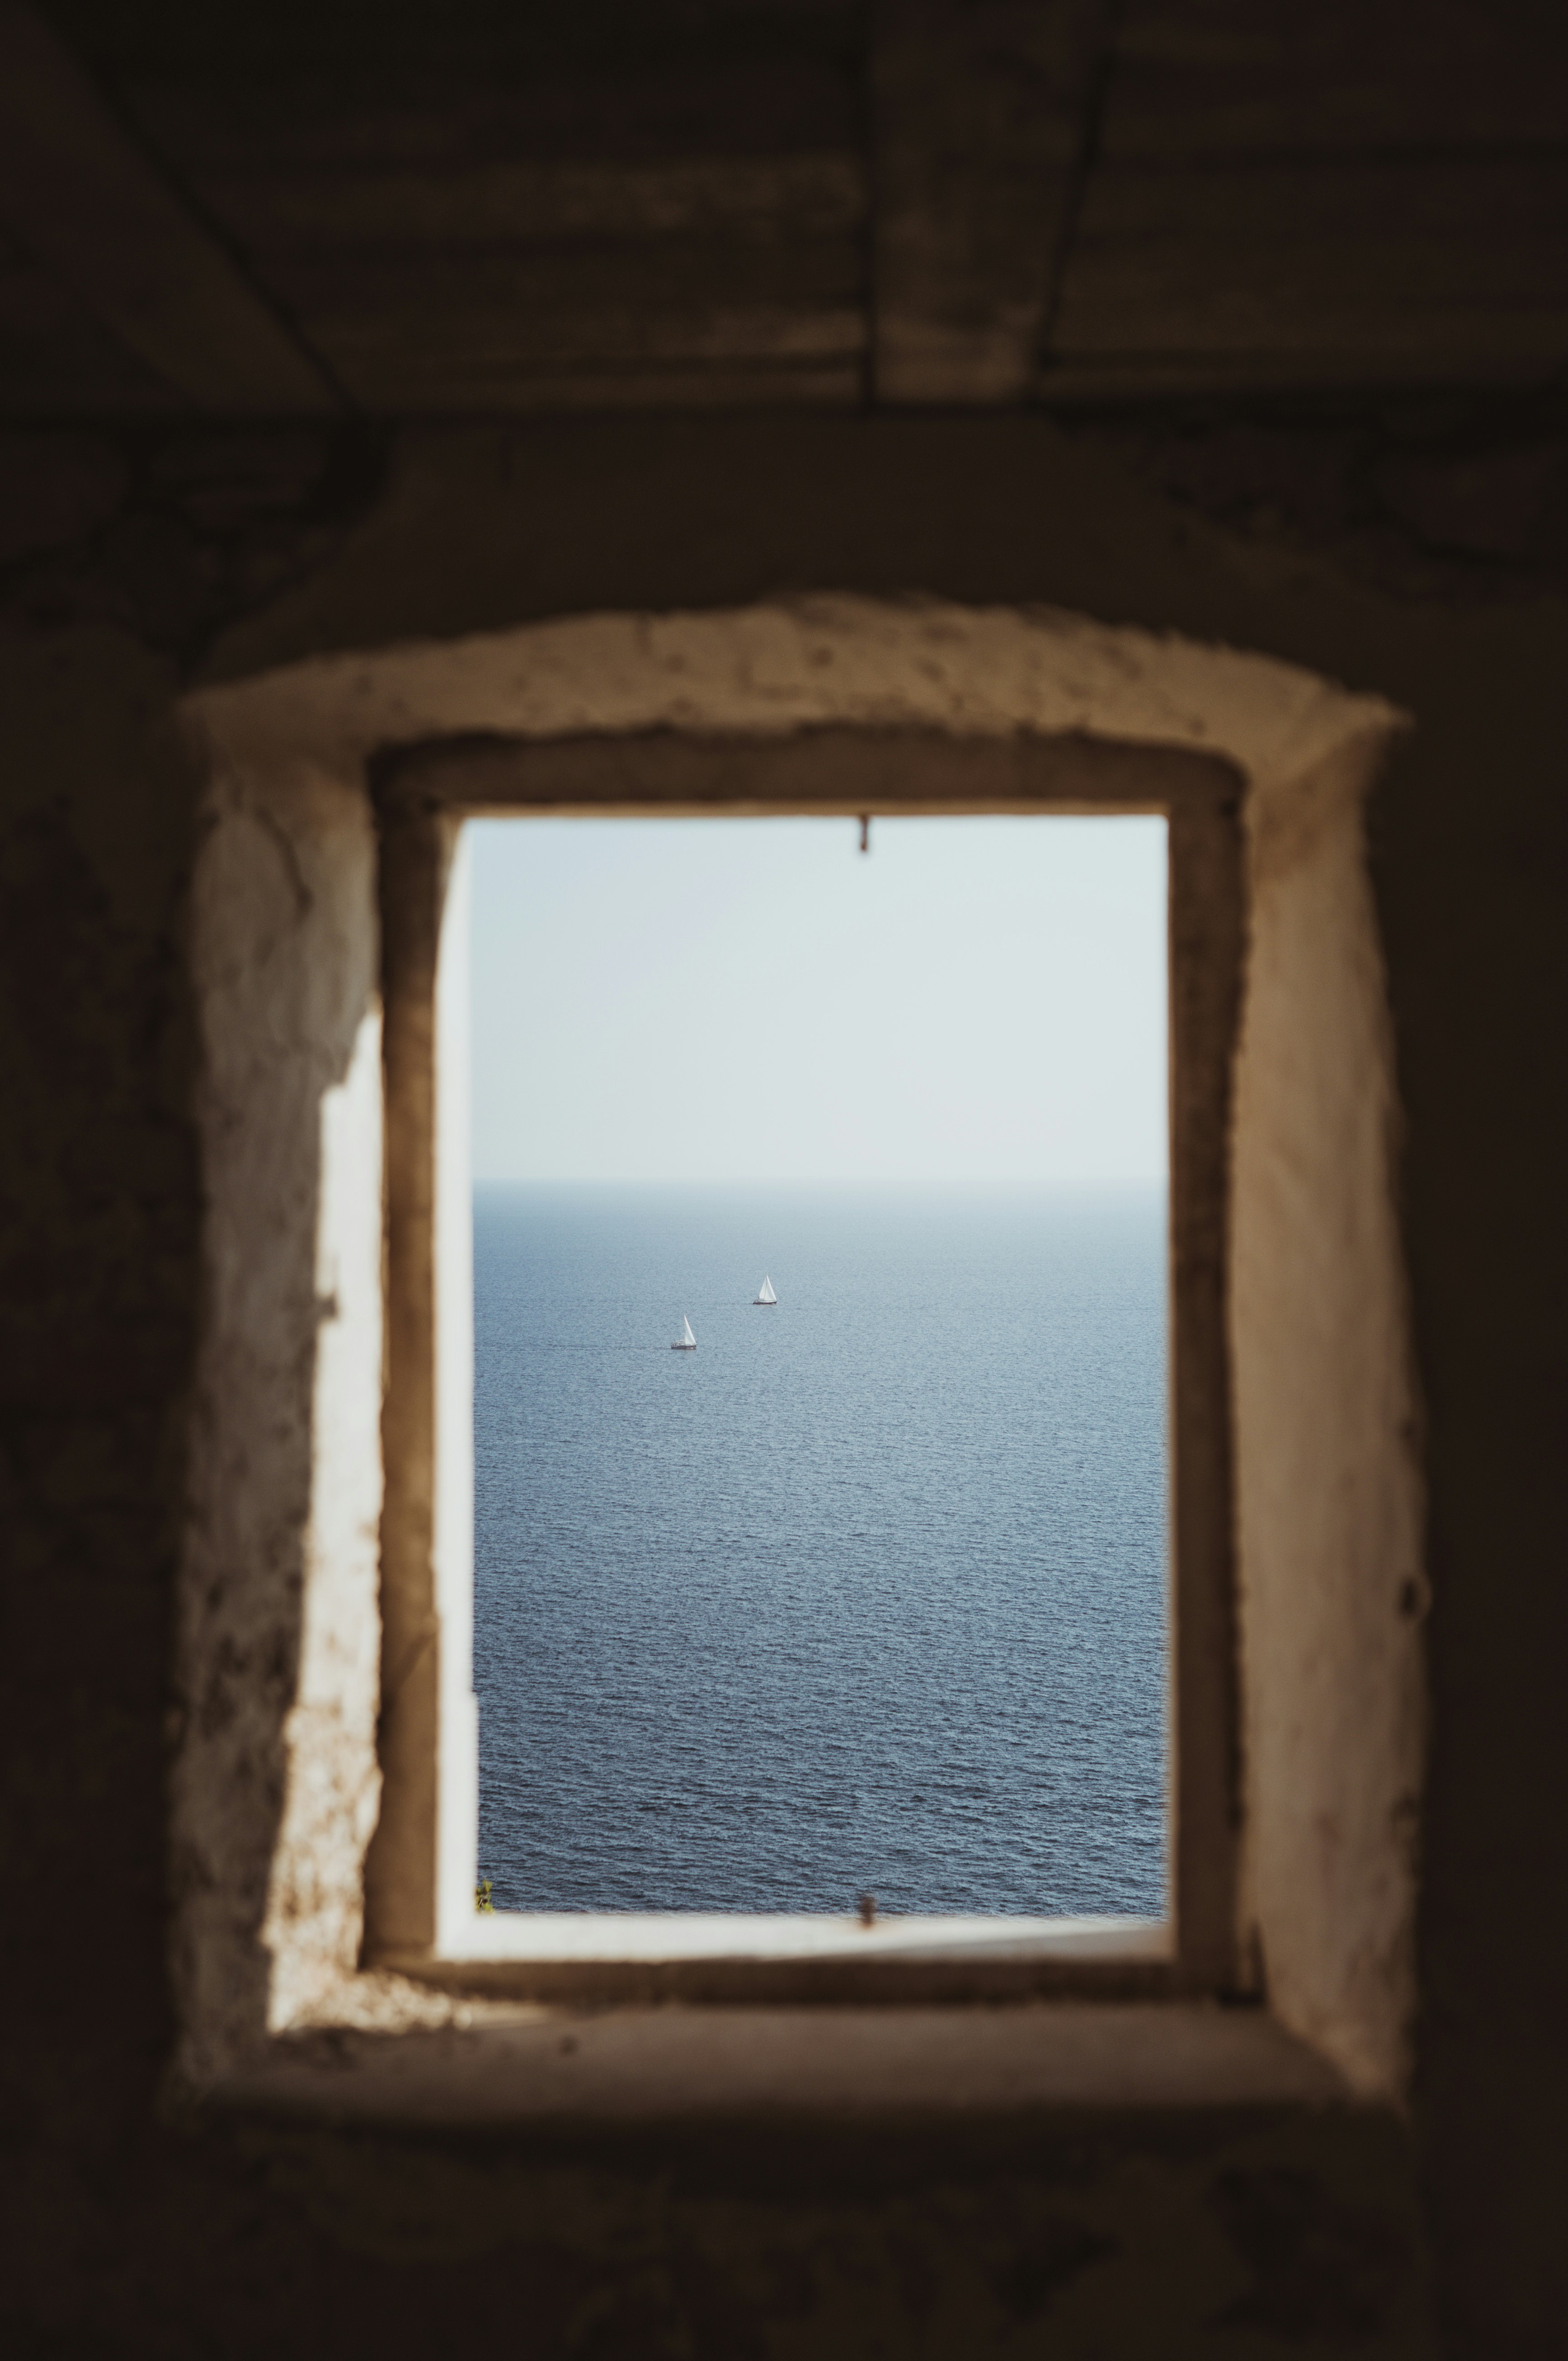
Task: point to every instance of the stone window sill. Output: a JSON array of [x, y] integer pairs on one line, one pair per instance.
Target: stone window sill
[[567, 2069]]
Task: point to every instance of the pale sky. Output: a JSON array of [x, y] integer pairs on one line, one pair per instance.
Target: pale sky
[[740, 1000]]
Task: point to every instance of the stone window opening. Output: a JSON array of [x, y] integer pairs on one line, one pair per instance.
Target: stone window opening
[[326, 1785], [422, 1866]]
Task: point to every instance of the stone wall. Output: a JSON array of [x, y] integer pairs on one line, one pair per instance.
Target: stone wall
[[1416, 553]]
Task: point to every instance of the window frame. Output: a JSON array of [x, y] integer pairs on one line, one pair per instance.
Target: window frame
[[418, 1879]]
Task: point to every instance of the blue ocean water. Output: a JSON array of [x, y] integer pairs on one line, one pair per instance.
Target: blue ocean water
[[866, 1594]]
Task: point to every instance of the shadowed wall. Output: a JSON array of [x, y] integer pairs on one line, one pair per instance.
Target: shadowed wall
[[156, 558]]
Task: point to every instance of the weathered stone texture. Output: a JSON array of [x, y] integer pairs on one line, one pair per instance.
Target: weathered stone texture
[[142, 561]]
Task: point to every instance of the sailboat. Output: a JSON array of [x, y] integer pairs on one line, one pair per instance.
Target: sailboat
[[765, 1293], [685, 1342]]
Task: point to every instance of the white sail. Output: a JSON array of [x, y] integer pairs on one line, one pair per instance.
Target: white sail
[[765, 1293], [685, 1342]]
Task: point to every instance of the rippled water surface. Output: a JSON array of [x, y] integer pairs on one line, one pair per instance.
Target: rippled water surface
[[868, 1592]]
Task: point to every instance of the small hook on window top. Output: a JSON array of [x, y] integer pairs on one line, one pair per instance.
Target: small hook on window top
[[865, 831]]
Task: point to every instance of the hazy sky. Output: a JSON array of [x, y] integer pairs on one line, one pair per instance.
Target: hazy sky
[[752, 1000]]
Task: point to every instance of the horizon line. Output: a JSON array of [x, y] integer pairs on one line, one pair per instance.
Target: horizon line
[[822, 1181]]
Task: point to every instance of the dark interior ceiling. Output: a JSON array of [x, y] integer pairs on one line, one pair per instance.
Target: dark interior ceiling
[[464, 207]]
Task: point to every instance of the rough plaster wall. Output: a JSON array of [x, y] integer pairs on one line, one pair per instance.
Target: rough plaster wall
[[1224, 2237], [98, 1318], [1328, 1480], [120, 2238], [314, 1915], [275, 1786], [1334, 1907]]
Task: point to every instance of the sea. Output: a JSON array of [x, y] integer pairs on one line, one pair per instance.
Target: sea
[[868, 1594]]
